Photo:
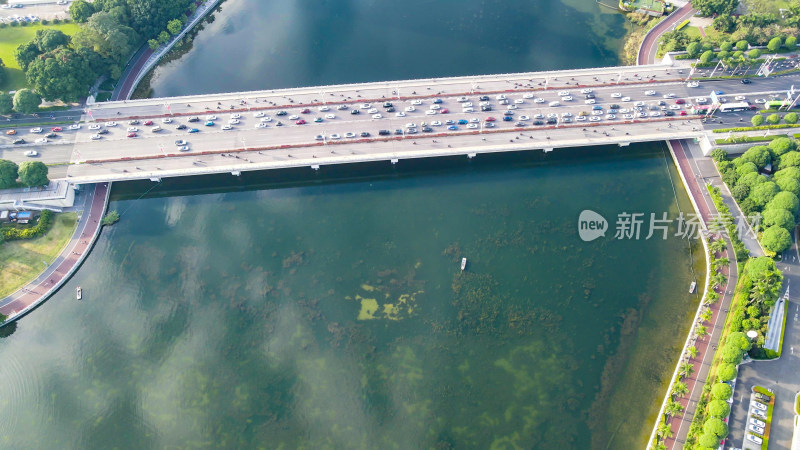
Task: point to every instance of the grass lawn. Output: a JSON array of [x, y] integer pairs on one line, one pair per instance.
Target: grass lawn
[[11, 38], [22, 261]]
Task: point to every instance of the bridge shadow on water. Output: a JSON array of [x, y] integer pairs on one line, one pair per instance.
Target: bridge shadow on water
[[347, 173]]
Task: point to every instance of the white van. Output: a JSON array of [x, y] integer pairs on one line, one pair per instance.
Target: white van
[[555, 103]]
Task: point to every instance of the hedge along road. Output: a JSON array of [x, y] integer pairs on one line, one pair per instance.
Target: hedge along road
[[29, 297]]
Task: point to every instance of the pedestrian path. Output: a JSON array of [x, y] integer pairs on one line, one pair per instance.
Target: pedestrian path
[[775, 324], [34, 293]]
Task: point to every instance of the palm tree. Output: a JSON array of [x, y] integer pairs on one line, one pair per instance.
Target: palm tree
[[673, 408], [692, 351], [718, 246], [701, 330], [664, 431], [720, 262], [686, 369], [659, 446], [718, 279], [706, 315], [679, 389]]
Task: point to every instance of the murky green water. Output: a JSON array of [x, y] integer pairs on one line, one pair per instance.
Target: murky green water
[[328, 311]]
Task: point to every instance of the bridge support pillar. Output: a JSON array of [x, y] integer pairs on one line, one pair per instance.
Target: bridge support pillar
[[315, 167], [156, 179], [394, 161], [624, 144], [236, 173], [547, 150], [471, 155]]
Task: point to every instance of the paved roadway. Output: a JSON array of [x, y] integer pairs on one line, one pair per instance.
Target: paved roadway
[[649, 47]]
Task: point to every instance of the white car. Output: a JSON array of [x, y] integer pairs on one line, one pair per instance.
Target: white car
[[463, 99], [266, 119], [627, 116], [335, 136], [760, 406], [466, 105], [236, 116], [164, 120], [670, 95], [586, 91], [591, 101], [323, 108], [754, 429], [261, 125], [400, 114], [642, 115], [563, 93], [294, 117], [693, 84], [233, 121], [758, 413], [754, 439], [377, 116], [94, 126], [44, 140], [538, 100], [740, 98], [330, 116], [436, 107], [566, 114], [155, 129], [211, 117], [594, 119], [500, 97], [597, 112], [524, 118], [227, 127], [616, 95], [373, 111], [527, 95], [468, 110], [436, 123], [132, 129], [655, 114], [610, 117], [75, 126], [410, 109], [31, 153], [675, 107], [650, 93], [624, 110], [625, 99], [349, 135], [36, 130], [259, 115], [411, 125], [184, 148], [761, 101], [701, 100], [431, 112], [581, 118], [756, 422], [111, 124], [366, 106], [519, 101], [416, 102], [488, 125], [472, 125], [566, 98], [638, 104]]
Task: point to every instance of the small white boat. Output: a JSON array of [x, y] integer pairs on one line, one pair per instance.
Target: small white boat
[[463, 264], [692, 287], [79, 293]]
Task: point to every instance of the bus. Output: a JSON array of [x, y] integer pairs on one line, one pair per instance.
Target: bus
[[732, 107]]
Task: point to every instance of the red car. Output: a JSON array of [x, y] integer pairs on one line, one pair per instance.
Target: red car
[[682, 113], [305, 111], [148, 123], [300, 122], [444, 111], [490, 119], [680, 101], [131, 134], [56, 129]]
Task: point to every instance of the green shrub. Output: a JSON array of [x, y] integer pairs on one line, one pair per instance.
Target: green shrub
[[719, 154], [708, 440], [725, 371], [718, 408], [716, 427], [757, 120], [111, 218], [721, 391], [790, 118]]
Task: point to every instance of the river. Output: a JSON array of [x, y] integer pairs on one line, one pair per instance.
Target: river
[[328, 309]]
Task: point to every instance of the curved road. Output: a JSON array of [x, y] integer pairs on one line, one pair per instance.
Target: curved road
[[649, 47]]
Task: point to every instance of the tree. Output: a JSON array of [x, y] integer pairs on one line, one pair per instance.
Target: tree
[[701, 330], [692, 351], [33, 173], [708, 440], [6, 103], [106, 36], [757, 120], [719, 154], [174, 26], [773, 119], [685, 370], [783, 200], [761, 194], [740, 340], [673, 408], [693, 49], [711, 8], [721, 391], [791, 172], [679, 389], [25, 54], [707, 56], [775, 44], [782, 145], [2, 72], [718, 246], [791, 42], [742, 45], [61, 74], [163, 37], [706, 315], [726, 46], [80, 11], [726, 372], [778, 218], [153, 44], [732, 354], [26, 101], [48, 39], [758, 155], [664, 431], [718, 408], [790, 159], [724, 23], [8, 174], [716, 427], [149, 17], [790, 118], [789, 184], [776, 239]]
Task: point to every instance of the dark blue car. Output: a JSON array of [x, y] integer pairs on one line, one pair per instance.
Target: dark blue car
[[507, 118], [462, 121]]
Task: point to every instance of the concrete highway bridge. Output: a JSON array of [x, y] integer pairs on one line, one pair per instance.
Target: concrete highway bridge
[[254, 141]]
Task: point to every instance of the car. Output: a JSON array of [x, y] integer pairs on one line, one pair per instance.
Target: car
[[94, 126], [184, 148], [323, 108], [193, 130], [387, 104], [384, 132], [516, 124], [719, 92], [444, 111], [760, 406], [468, 110], [18, 141], [437, 101], [373, 111], [133, 122], [398, 131], [148, 123], [670, 95], [342, 107], [597, 108], [11, 132], [131, 134], [449, 122], [400, 114], [36, 130], [754, 429], [411, 131], [102, 131], [317, 119], [489, 119], [586, 91], [462, 121], [330, 116], [669, 113], [538, 100], [335, 136], [350, 135], [51, 135], [430, 112], [411, 125], [227, 127], [261, 125], [589, 96], [693, 84], [746, 81], [258, 114], [281, 113], [594, 119], [452, 128], [527, 95], [740, 98], [754, 439], [579, 119], [650, 93], [566, 98], [625, 99], [31, 153], [756, 422], [364, 134], [300, 122], [355, 112], [507, 118], [294, 117], [416, 102], [209, 124], [616, 95], [366, 105], [655, 114], [675, 107], [483, 98], [191, 119], [181, 127], [519, 101], [279, 124], [436, 123], [762, 397], [155, 129], [180, 142], [488, 125], [758, 413], [305, 111], [563, 93], [642, 115], [233, 121], [520, 118], [319, 137], [682, 113], [132, 129], [701, 100], [680, 101], [610, 117]]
